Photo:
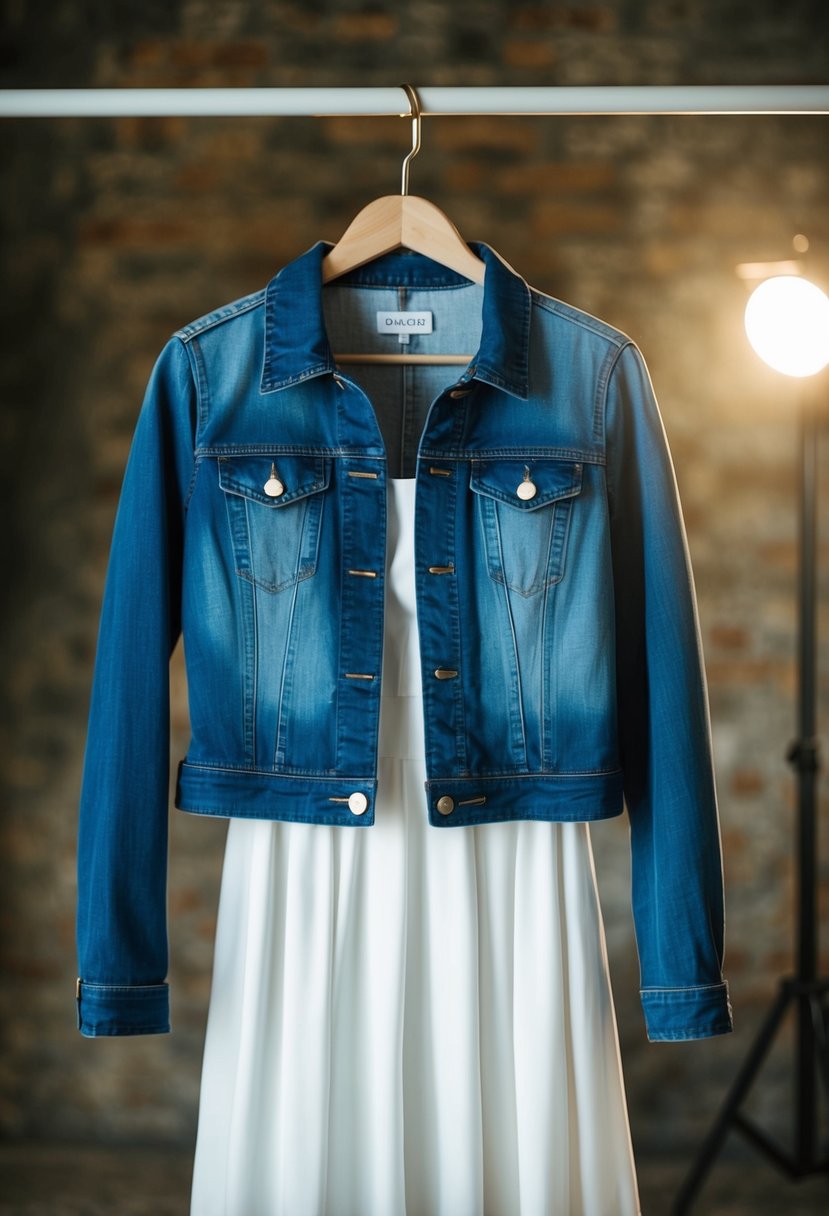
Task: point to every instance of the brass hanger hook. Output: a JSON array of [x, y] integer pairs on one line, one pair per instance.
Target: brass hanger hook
[[414, 105]]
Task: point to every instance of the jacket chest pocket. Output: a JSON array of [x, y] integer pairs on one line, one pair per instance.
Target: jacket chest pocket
[[523, 508], [274, 509]]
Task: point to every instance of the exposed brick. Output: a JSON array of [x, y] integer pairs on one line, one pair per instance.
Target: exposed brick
[[301, 19], [521, 53], [196, 54], [661, 259], [147, 53], [465, 175], [138, 131], [374, 132], [357, 27], [538, 179], [747, 782], [729, 637], [779, 963], [230, 145], [196, 178], [185, 899], [467, 134], [124, 231], [552, 218], [725, 219], [214, 54], [783, 554], [734, 841], [541, 17], [743, 671], [240, 54]]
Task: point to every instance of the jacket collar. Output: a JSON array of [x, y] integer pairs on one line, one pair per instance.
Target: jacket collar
[[296, 341]]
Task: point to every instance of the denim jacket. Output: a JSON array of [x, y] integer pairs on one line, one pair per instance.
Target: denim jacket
[[562, 670]]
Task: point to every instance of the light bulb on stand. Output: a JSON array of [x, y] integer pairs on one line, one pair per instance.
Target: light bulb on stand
[[787, 324]]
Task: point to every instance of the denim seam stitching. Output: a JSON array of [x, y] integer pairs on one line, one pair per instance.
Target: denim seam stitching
[[125, 987], [596, 772], [225, 313], [578, 316], [699, 1032], [687, 988], [603, 388], [464, 454]]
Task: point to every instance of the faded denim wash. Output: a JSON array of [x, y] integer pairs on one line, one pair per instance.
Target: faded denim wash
[[562, 663]]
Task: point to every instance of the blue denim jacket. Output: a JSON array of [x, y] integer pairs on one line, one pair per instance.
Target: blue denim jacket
[[562, 668]]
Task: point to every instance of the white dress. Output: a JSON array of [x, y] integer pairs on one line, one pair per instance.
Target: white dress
[[406, 1021]]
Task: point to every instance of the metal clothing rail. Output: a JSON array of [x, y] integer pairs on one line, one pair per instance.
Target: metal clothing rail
[[435, 100]]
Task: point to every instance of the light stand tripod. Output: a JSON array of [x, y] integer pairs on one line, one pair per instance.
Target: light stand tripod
[[804, 988]]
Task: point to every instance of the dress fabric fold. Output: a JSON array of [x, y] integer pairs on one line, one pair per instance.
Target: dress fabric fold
[[405, 1021]]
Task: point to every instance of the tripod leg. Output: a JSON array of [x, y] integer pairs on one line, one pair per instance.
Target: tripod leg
[[820, 1018], [739, 1088]]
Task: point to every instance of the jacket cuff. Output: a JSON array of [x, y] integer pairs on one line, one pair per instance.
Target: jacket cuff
[[118, 1009], [698, 1012]]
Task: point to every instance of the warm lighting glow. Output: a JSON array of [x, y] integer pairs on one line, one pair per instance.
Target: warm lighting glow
[[787, 323]]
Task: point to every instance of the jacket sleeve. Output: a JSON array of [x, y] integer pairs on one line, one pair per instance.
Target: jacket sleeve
[[121, 923], [664, 723]]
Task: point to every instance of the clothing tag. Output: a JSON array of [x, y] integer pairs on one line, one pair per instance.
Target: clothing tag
[[404, 323]]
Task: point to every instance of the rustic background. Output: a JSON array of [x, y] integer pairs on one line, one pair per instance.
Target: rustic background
[[117, 231]]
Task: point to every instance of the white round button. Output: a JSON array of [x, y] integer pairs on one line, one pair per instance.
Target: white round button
[[526, 489], [274, 487], [357, 802]]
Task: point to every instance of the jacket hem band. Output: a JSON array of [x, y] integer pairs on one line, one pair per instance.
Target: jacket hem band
[[256, 794]]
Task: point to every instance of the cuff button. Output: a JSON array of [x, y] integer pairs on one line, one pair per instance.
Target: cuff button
[[357, 802]]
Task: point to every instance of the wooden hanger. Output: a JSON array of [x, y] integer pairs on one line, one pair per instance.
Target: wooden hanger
[[413, 222]]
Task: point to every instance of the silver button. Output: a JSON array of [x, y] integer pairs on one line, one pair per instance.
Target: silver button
[[446, 805], [273, 486], [527, 489], [357, 802]]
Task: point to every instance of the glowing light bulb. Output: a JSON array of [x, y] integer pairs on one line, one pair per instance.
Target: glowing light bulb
[[787, 324]]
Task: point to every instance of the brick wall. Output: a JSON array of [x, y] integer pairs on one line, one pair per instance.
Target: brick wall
[[119, 230]]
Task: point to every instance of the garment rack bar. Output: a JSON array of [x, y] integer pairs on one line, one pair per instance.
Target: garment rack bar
[[435, 100]]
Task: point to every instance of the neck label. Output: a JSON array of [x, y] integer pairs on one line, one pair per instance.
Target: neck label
[[404, 324]]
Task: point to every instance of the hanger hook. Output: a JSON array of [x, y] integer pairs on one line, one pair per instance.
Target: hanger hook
[[415, 108]]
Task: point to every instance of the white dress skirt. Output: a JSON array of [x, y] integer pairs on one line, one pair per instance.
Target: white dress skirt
[[406, 1021]]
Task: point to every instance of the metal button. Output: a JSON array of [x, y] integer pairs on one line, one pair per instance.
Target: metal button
[[357, 802], [445, 673], [459, 392], [527, 489], [273, 486], [446, 805]]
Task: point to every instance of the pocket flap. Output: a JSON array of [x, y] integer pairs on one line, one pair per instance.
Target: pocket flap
[[300, 475], [552, 477]]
